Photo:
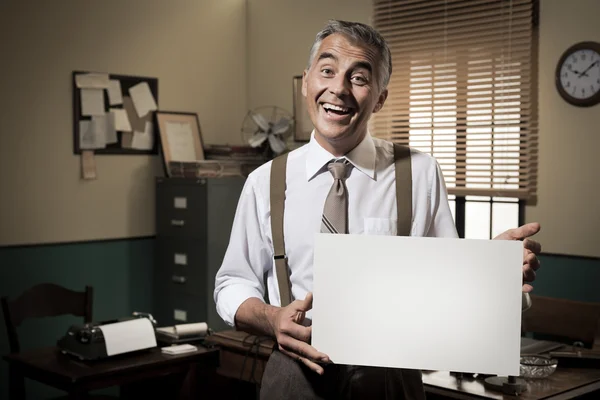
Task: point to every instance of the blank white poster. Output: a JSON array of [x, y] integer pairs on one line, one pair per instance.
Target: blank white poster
[[418, 303]]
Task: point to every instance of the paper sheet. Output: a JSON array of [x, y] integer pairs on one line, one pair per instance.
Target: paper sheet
[[115, 96], [90, 137], [418, 303], [92, 80], [88, 165], [121, 120], [136, 123], [121, 337], [142, 98], [180, 138], [92, 102], [143, 140], [126, 140], [104, 127]]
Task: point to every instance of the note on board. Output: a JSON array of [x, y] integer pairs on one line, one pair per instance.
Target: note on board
[[142, 98], [92, 80], [143, 140], [115, 95], [92, 102]]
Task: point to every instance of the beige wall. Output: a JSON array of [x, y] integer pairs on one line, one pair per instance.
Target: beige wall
[[195, 48], [569, 144], [280, 34]]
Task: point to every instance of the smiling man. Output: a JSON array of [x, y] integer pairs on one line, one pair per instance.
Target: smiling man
[[342, 181]]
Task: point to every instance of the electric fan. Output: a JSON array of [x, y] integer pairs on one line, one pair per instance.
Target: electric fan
[[268, 126]]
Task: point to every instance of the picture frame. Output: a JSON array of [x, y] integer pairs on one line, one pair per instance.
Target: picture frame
[[303, 126], [180, 138]]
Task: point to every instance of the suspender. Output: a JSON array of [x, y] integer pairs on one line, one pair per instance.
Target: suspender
[[402, 165], [278, 175]]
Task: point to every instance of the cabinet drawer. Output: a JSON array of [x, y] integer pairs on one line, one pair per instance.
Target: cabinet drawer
[[181, 265], [173, 308], [181, 208]]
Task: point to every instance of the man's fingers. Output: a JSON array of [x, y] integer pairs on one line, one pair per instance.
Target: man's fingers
[[302, 349], [313, 366], [532, 260], [527, 288], [528, 273], [299, 332], [533, 246], [521, 232], [306, 304]]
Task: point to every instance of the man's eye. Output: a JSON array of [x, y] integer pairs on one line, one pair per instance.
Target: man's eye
[[359, 79], [326, 72]]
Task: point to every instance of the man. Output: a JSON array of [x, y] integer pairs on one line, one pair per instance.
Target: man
[[345, 82]]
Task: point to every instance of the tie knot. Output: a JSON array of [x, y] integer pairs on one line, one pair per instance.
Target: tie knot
[[339, 168]]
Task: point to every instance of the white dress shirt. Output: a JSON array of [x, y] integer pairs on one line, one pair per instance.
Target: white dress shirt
[[371, 210]]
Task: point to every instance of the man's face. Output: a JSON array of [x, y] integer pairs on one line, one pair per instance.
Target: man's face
[[341, 92]]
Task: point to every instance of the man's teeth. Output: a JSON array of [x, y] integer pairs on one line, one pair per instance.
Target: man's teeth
[[334, 107]]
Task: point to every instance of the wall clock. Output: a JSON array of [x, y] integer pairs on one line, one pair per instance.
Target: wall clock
[[578, 74]]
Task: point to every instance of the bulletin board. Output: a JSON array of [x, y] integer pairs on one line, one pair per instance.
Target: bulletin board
[[133, 133]]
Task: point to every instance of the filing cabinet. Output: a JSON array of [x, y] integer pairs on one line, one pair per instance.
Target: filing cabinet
[[193, 225]]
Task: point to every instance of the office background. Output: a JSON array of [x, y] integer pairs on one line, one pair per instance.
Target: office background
[[219, 59]]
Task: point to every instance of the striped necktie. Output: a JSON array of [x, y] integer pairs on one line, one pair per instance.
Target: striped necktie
[[335, 212]]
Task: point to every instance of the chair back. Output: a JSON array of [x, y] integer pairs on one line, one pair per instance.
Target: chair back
[[44, 300], [563, 320]]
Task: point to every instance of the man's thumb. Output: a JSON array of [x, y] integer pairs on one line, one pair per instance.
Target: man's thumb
[[306, 304]]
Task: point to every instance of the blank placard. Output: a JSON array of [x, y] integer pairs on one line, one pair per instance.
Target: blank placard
[[418, 303]]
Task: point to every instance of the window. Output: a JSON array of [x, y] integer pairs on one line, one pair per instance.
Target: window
[[464, 90]]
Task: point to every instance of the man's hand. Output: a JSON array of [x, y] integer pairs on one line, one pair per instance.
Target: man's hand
[[531, 249], [293, 337]]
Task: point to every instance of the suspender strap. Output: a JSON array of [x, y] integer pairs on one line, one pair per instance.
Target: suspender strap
[[278, 176], [403, 188]]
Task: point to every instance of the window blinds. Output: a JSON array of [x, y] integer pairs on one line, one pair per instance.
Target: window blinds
[[464, 90]]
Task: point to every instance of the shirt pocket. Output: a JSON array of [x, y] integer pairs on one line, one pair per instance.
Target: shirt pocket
[[381, 226]]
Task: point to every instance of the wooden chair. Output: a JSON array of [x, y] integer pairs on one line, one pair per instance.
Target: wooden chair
[[566, 321], [43, 300]]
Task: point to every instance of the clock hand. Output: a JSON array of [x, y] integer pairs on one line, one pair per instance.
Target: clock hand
[[588, 68]]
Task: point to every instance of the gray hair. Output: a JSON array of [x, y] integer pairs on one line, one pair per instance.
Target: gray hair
[[363, 34]]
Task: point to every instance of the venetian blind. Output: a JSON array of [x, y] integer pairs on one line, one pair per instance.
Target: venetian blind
[[463, 89]]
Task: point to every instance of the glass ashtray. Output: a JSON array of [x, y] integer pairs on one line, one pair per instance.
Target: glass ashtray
[[537, 366]]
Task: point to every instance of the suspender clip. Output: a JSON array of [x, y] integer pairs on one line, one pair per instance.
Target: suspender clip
[[280, 256]]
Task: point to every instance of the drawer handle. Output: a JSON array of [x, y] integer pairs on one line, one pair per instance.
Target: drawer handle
[[178, 279], [177, 222]]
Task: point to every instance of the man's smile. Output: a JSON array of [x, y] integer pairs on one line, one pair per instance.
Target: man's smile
[[336, 112]]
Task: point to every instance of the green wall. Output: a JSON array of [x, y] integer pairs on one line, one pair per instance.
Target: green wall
[[120, 272]]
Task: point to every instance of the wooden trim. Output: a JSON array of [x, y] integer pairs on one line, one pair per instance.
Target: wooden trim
[[92, 241]]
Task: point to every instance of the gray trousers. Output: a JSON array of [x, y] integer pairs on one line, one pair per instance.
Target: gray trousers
[[288, 379]]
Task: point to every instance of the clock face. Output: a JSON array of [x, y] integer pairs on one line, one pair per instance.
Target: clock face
[[578, 75]]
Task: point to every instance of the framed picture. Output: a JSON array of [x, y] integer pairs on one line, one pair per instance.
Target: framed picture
[[180, 137], [303, 126]]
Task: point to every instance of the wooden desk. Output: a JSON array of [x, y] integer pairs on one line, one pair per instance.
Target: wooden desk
[[51, 367], [562, 384]]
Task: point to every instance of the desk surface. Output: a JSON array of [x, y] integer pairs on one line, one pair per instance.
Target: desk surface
[[62, 371], [564, 383]]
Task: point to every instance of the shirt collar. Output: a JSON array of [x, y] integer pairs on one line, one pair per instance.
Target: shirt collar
[[362, 157]]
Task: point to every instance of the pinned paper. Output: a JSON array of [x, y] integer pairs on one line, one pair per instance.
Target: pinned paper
[[115, 96], [91, 137], [126, 140], [121, 120], [104, 128], [143, 140], [142, 98], [92, 80], [88, 165], [137, 124], [92, 102]]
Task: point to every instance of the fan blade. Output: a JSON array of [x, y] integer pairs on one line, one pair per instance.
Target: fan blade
[[281, 126], [257, 139], [261, 122], [277, 144]]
